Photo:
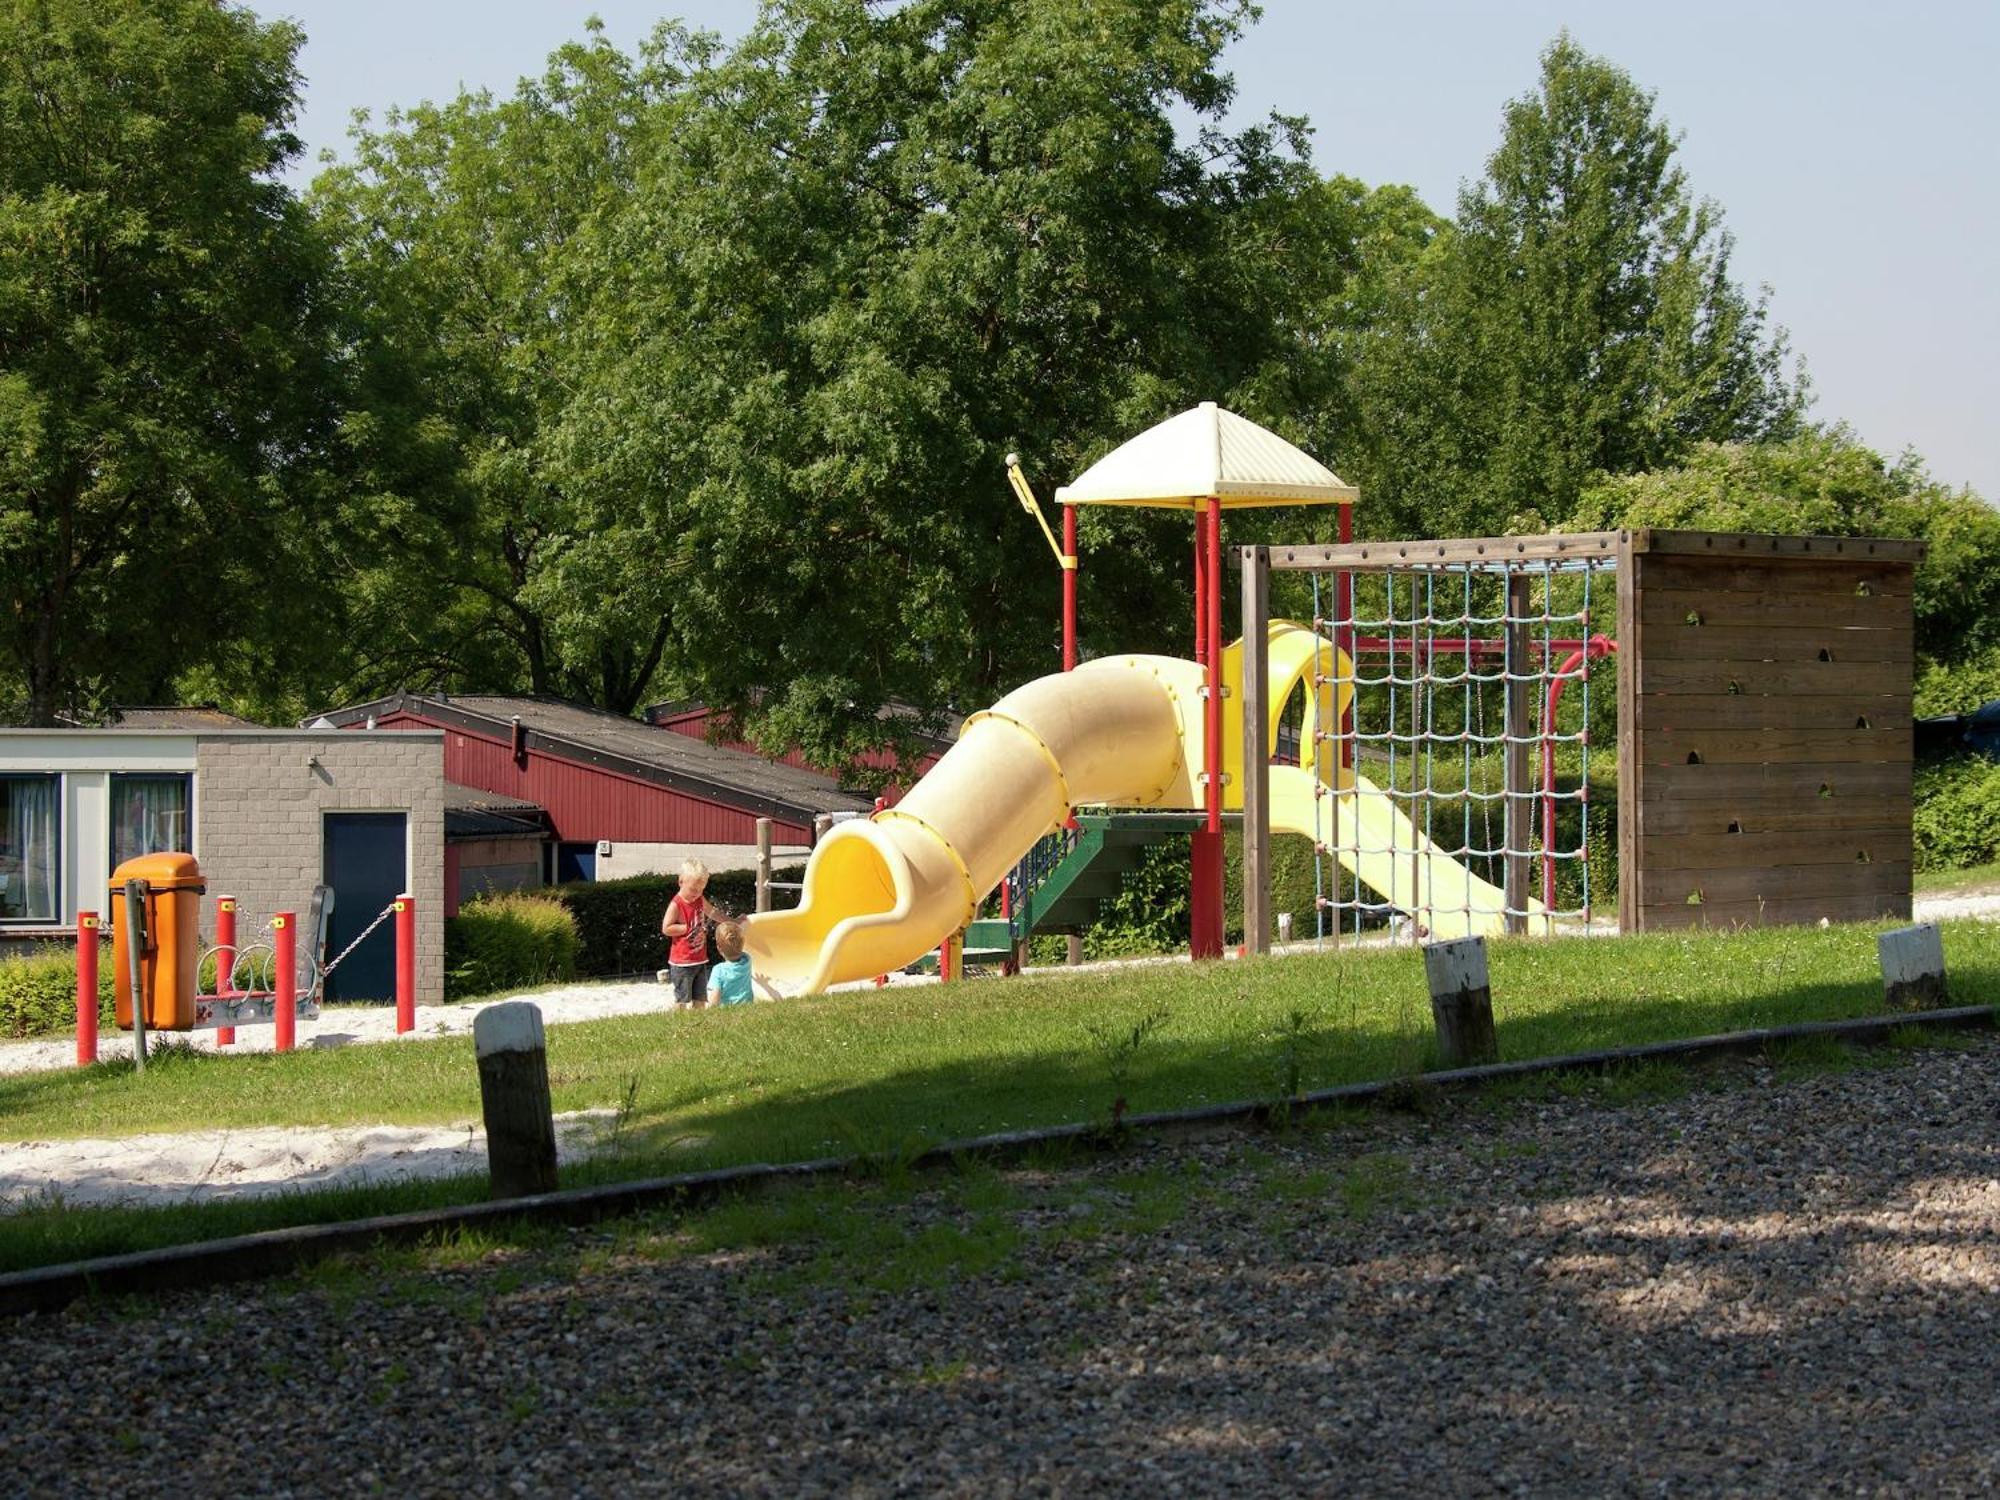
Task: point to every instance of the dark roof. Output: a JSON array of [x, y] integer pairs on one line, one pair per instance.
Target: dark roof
[[895, 708], [590, 736], [472, 813], [167, 717], [479, 799]]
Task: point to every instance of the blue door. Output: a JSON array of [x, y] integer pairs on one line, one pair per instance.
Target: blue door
[[366, 868], [575, 862]]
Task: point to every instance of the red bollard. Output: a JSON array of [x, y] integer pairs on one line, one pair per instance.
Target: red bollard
[[285, 947], [225, 960], [86, 988], [406, 964]]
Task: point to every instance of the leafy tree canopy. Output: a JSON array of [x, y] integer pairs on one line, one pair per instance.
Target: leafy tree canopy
[[1823, 482], [160, 348], [1578, 318]]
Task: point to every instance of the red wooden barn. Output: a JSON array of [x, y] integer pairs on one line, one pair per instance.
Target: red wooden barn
[[617, 796]]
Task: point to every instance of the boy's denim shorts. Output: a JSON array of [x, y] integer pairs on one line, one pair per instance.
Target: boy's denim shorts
[[690, 983]]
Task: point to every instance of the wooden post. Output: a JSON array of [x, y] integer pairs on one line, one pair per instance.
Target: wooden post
[[1284, 927], [135, 945], [514, 1099], [1075, 954], [1461, 1002], [1256, 752], [1519, 808], [763, 864], [1912, 967]]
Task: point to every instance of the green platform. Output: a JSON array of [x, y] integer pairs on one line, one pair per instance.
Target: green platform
[[1070, 874]]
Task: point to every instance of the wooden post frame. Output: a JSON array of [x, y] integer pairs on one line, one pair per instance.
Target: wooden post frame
[[763, 864], [1912, 967], [514, 1099], [1256, 719], [1461, 1002]]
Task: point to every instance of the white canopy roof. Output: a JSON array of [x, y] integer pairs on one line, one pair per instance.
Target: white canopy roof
[[1207, 452]]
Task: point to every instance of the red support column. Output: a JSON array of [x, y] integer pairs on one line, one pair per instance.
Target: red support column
[[86, 988], [1201, 586], [406, 964], [285, 958], [1070, 564], [225, 960], [1205, 861], [1343, 605]]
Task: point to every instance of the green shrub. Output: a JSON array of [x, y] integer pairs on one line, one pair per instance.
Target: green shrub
[[38, 991], [618, 921], [507, 942], [1958, 813]]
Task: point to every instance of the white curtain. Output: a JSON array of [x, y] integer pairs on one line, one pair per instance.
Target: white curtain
[[30, 849], [149, 814]]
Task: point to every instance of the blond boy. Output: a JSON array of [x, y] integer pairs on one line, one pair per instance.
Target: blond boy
[[686, 924]]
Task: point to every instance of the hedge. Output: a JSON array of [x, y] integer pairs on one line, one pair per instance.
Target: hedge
[[38, 991], [1958, 813], [510, 941], [618, 921]]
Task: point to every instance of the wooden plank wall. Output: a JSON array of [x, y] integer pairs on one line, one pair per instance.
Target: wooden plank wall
[[1764, 730]]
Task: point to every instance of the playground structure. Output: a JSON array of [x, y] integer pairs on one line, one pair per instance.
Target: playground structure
[[1761, 717], [1762, 720], [158, 963]]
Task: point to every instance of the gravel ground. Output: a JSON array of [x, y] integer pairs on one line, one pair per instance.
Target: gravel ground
[[1742, 1281]]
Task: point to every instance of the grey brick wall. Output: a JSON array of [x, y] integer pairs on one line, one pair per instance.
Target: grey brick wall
[[258, 807]]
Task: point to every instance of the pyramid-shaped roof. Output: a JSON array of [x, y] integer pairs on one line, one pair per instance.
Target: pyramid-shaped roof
[[1207, 452]]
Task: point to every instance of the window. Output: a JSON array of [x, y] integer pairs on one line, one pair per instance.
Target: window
[[30, 848], [148, 814]]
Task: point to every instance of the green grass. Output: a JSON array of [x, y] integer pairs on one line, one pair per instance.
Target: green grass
[[1971, 878], [884, 1073]]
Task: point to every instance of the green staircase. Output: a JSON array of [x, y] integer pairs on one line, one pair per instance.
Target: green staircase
[[1065, 877]]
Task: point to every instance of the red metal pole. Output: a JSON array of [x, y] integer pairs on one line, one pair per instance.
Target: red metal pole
[[225, 960], [1212, 730], [1598, 645], [406, 964], [1070, 565], [1343, 605], [1201, 586], [1205, 920], [86, 988], [285, 958]]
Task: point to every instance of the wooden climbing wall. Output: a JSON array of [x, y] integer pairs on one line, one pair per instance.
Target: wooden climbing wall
[[1764, 729]]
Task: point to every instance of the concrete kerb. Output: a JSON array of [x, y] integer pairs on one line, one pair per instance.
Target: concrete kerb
[[244, 1257]]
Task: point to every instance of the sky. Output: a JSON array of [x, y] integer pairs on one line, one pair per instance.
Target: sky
[[1854, 149]]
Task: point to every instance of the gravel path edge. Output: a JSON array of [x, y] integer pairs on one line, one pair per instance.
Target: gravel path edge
[[270, 1252]]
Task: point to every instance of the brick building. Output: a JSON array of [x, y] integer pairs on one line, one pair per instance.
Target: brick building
[[269, 813]]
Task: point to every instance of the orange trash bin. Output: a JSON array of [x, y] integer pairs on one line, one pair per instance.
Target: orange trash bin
[[172, 941]]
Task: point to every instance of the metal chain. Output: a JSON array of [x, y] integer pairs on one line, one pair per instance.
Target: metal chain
[[382, 917]]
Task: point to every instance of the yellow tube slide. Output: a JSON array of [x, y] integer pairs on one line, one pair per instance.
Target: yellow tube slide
[[882, 893], [1124, 731]]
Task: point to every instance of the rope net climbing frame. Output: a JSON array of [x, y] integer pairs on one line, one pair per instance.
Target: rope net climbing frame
[[1455, 790]]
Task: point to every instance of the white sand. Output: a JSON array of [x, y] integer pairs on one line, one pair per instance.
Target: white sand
[[212, 1164]]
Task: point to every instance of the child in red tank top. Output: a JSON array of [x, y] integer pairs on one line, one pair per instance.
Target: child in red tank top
[[686, 922]]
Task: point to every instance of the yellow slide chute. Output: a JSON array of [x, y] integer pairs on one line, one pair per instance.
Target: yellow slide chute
[[1122, 731]]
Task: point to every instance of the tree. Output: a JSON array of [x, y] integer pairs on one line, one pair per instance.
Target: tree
[[873, 250], [1824, 482], [162, 356], [457, 230], [1579, 318]]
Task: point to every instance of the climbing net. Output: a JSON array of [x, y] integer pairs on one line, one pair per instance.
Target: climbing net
[[1452, 747]]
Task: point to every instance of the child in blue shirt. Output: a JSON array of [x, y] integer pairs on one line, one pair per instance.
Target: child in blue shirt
[[729, 981]]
